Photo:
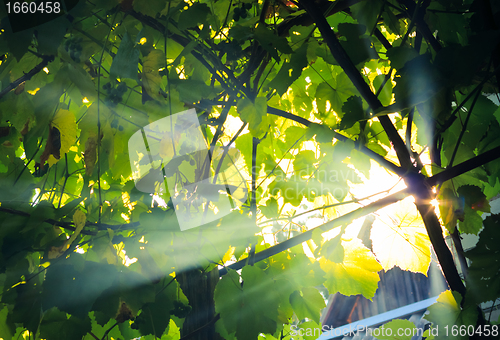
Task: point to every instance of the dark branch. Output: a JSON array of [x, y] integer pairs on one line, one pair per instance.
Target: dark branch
[[464, 167], [422, 26], [27, 76], [71, 225], [306, 20], [355, 76], [305, 236], [370, 153]]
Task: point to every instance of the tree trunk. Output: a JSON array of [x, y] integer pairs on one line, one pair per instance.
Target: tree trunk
[[199, 288]]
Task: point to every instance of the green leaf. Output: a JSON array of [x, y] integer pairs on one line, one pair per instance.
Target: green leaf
[[449, 207], [51, 34], [295, 135], [391, 21], [416, 82], [307, 303], [309, 330], [239, 306], [367, 12], [446, 312], [290, 71], [333, 249], [357, 274], [194, 15], [303, 164], [126, 60], [483, 280], [74, 290], [396, 330], [359, 49], [400, 55], [361, 162], [335, 92], [353, 112], [270, 210], [7, 329], [474, 197], [272, 43], [255, 114], [56, 325], [323, 133], [150, 8], [156, 315], [82, 80], [472, 222], [385, 95]]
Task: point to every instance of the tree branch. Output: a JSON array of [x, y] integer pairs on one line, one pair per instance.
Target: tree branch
[[306, 20], [421, 24], [305, 236], [442, 251], [464, 167], [27, 76], [355, 76], [253, 201], [370, 153], [71, 225]]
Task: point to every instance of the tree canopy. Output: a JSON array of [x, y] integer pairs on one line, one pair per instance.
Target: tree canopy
[[117, 223]]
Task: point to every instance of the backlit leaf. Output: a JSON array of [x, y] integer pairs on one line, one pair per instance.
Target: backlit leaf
[[64, 121], [151, 79], [357, 274], [401, 239], [446, 312], [307, 303]]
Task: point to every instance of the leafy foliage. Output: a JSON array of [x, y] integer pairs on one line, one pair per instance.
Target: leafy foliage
[[301, 104]]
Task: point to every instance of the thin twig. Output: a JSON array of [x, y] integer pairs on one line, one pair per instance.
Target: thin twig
[[307, 235]]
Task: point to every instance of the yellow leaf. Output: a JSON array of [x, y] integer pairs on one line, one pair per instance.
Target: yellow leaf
[[400, 239], [79, 219], [64, 121], [358, 274], [151, 79], [228, 255]]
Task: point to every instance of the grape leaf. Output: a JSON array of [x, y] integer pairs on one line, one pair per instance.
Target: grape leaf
[[194, 15], [126, 60], [64, 122], [484, 272], [239, 305], [353, 112], [255, 114], [400, 239], [151, 79], [56, 325], [395, 330], [307, 303], [290, 70], [357, 274], [446, 312]]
